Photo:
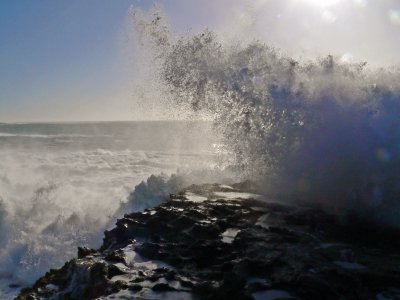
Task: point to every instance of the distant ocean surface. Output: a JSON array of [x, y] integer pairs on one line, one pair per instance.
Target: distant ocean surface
[[61, 184]]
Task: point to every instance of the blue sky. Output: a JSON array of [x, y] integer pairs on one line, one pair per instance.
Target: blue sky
[[62, 60], [58, 56], [65, 60]]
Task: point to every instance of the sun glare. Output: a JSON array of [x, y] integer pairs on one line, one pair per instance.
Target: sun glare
[[322, 3]]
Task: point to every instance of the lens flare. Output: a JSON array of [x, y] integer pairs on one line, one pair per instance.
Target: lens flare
[[394, 16], [362, 3], [323, 3]]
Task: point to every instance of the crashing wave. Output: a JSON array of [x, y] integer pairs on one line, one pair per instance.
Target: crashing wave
[[320, 130]]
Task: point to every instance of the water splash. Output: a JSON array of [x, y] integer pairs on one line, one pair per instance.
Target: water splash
[[323, 130], [62, 184]]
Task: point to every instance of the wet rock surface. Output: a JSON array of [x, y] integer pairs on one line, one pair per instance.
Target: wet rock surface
[[225, 242]]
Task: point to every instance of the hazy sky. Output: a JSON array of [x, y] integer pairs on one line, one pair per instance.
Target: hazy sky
[[67, 60]]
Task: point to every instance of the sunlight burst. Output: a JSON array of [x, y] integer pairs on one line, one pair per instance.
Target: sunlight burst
[[323, 3]]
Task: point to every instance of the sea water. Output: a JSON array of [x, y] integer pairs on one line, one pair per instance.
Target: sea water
[[62, 184]]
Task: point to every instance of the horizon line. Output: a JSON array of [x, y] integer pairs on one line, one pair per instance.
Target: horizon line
[[100, 121]]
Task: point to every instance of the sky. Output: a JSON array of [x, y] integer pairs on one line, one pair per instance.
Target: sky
[[70, 61]]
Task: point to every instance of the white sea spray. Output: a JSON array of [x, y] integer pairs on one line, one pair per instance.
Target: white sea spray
[[320, 130], [62, 185]]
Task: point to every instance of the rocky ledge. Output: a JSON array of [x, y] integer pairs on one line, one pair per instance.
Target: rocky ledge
[[225, 242]]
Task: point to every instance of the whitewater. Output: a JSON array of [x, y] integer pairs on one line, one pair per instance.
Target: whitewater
[[323, 131], [62, 185], [319, 130]]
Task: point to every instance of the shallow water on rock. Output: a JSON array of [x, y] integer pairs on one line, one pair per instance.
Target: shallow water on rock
[[194, 197], [229, 235], [237, 195]]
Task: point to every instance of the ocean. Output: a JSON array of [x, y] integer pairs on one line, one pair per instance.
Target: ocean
[[323, 131], [61, 185]]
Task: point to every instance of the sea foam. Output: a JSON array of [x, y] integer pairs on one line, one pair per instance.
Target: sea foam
[[58, 194]]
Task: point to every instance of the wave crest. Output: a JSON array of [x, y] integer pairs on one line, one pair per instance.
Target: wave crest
[[321, 130]]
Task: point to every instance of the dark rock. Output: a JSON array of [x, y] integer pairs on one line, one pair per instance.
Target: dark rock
[[116, 256], [120, 285], [170, 275], [301, 250], [135, 288], [84, 251], [99, 272], [161, 270], [151, 250], [187, 283], [114, 271], [162, 287]]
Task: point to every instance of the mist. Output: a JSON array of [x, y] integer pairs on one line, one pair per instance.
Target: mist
[[320, 130]]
